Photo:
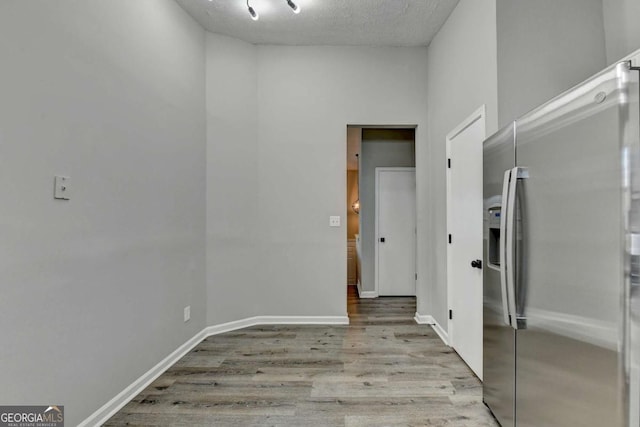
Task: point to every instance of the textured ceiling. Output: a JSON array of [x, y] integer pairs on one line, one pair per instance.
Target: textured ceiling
[[325, 22]]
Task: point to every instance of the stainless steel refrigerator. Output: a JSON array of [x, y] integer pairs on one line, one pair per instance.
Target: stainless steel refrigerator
[[562, 239]]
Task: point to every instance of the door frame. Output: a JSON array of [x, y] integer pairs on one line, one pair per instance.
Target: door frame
[[377, 213], [479, 114]]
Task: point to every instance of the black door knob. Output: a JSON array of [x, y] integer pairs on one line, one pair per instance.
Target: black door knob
[[382, 240], [476, 264]]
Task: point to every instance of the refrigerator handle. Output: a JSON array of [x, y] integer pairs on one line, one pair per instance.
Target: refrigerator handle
[[503, 246], [511, 236]]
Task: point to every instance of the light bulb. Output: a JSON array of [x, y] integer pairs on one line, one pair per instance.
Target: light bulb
[[293, 6], [356, 206]]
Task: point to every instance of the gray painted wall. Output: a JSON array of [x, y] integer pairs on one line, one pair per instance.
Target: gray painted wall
[[544, 48], [622, 28], [271, 250], [380, 147], [461, 76], [110, 93], [232, 180], [306, 97]]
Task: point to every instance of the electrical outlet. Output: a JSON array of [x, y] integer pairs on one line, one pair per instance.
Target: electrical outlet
[[334, 221], [187, 313]]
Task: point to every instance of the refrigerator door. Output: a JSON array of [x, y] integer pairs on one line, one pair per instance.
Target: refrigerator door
[[498, 335], [631, 217], [571, 280]]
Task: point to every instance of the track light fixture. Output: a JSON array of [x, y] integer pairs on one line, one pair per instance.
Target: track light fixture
[[293, 6], [252, 12], [254, 15]]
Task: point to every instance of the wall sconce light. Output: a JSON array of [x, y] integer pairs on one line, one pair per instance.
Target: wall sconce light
[[356, 206]]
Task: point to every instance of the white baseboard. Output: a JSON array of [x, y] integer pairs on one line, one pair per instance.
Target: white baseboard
[[110, 408], [302, 320], [275, 320], [366, 294], [425, 319], [229, 326]]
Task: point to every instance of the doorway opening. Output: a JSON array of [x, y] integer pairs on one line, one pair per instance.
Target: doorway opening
[[381, 211]]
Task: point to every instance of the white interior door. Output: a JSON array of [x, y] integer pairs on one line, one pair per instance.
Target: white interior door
[[396, 231], [464, 224]]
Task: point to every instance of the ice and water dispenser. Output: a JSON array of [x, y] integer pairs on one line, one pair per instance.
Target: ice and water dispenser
[[493, 237]]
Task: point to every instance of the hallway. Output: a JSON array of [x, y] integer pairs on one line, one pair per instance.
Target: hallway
[[381, 370]]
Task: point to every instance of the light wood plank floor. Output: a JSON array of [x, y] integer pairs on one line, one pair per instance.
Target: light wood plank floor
[[381, 370]]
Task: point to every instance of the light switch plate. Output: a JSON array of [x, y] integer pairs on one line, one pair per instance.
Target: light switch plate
[[187, 313], [334, 221], [61, 188]]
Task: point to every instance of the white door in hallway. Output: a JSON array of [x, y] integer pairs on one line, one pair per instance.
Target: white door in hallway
[[464, 226], [395, 231]]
